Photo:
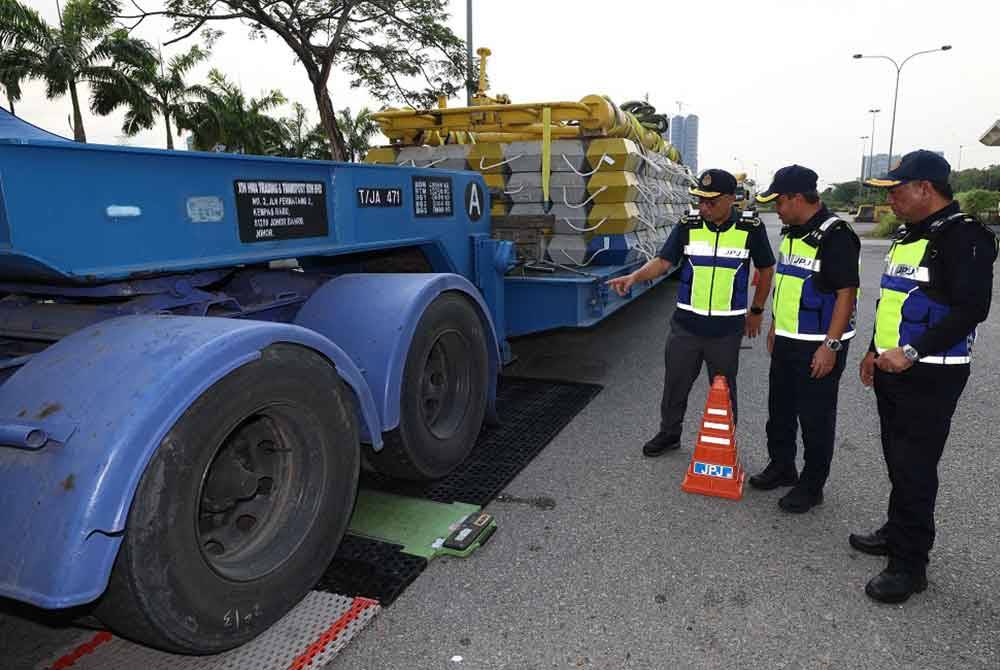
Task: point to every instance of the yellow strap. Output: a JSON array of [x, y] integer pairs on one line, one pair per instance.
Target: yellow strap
[[546, 151]]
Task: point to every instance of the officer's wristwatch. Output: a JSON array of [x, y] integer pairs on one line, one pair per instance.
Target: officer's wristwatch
[[911, 354], [754, 309], [832, 344]]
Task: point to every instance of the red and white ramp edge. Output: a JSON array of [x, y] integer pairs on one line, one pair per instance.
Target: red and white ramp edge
[[308, 637]]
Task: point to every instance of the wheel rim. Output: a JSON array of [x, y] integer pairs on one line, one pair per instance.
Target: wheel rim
[[259, 494], [445, 384]]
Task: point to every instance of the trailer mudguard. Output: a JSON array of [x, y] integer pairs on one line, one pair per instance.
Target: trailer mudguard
[[80, 421], [373, 317]]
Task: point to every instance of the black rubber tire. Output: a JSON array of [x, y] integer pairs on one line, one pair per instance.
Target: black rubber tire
[[174, 590], [451, 333]]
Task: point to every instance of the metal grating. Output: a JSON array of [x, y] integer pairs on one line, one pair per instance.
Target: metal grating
[[312, 633], [532, 412], [369, 568]]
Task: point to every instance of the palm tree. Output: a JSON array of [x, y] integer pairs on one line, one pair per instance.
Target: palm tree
[[300, 139], [357, 131], [157, 91], [221, 118], [11, 82], [85, 48]]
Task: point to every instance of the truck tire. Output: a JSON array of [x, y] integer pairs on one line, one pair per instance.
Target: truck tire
[[443, 394], [240, 510]]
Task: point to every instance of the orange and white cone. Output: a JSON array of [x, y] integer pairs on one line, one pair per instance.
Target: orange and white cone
[[715, 468]]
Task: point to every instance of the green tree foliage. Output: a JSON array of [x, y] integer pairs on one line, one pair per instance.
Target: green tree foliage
[[358, 131], [159, 90], [886, 226], [842, 196], [300, 138], [979, 202], [395, 49], [86, 47], [849, 194], [976, 178], [221, 118], [11, 83]]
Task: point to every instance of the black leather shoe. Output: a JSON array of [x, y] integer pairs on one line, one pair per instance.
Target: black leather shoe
[[876, 543], [774, 476], [660, 443], [894, 586], [799, 500]]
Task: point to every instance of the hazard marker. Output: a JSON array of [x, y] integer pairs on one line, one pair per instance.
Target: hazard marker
[[715, 468]]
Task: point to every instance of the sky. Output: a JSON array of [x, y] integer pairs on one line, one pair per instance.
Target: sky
[[773, 82]]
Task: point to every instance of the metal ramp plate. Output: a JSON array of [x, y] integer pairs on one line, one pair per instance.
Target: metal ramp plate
[[307, 637], [418, 524]]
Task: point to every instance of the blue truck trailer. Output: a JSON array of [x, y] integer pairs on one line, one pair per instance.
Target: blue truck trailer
[[199, 352]]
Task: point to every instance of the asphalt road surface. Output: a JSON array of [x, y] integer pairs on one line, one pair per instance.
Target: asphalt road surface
[[627, 571]]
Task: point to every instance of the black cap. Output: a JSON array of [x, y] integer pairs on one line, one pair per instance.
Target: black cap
[[713, 183], [919, 165], [789, 179]]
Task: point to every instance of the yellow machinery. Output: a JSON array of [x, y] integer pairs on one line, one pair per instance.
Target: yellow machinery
[[746, 191], [871, 213], [571, 180], [497, 120]]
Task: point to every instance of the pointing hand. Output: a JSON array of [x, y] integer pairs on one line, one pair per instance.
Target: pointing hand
[[622, 285]]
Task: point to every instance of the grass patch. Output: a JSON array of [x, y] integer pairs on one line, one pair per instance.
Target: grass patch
[[886, 226]]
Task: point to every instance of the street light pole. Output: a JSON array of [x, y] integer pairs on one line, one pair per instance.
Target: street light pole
[[895, 97], [861, 177], [863, 139], [960, 147], [871, 151]]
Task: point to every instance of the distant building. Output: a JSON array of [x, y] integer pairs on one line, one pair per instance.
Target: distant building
[[880, 164], [684, 136], [677, 132]]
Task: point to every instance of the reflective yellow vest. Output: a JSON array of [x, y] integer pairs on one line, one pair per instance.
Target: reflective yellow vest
[[801, 310], [905, 306], [715, 271]]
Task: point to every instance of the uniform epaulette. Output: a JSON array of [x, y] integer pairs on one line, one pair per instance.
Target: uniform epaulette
[[831, 224], [975, 220], [940, 223], [938, 227], [970, 219]]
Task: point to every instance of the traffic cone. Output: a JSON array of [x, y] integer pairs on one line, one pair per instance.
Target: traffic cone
[[715, 469]]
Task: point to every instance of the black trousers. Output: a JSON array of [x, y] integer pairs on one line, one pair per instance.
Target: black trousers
[[795, 399], [684, 356], [915, 409]]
